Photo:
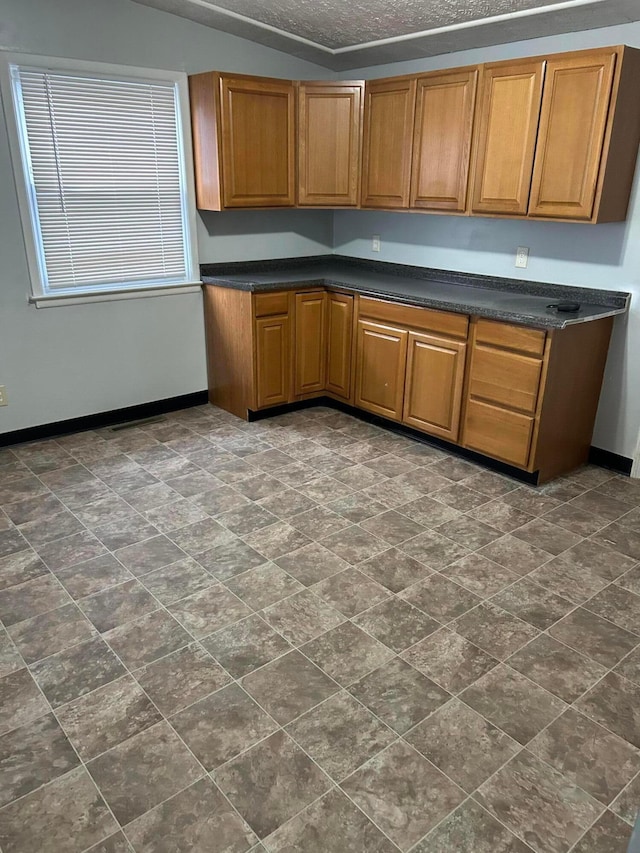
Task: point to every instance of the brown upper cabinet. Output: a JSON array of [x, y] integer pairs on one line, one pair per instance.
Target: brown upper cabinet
[[244, 141], [442, 139], [388, 136], [329, 143], [508, 111]]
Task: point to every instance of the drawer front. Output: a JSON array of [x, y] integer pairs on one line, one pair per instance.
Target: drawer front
[[506, 378], [270, 304], [499, 433], [443, 322], [509, 336]]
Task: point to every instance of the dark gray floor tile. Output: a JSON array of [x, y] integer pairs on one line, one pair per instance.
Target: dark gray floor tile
[[247, 518], [289, 686], [393, 527], [556, 667], [353, 544], [117, 535], [397, 624], [222, 725], [146, 639], [69, 814], [263, 586], [93, 576], [627, 804], [500, 696], [592, 758], [177, 580], [532, 501], [20, 568], [429, 512], [470, 829], [219, 500], [500, 515], [302, 617], [106, 717], [614, 702], [318, 522], [459, 497], [51, 632], [403, 794], [197, 820], [606, 507], [434, 550], [154, 553], [440, 598], [72, 673], [38, 508], [340, 735], [10, 659], [533, 603], [181, 678], [568, 580], [631, 580], [245, 646], [331, 823], [12, 541], [479, 575], [591, 635], [261, 486], [277, 540], [608, 835], [399, 695], [629, 666], [451, 661], [346, 653], [285, 504], [543, 534], [117, 605], [209, 610], [271, 783], [395, 570], [32, 598], [470, 532], [514, 554], [311, 563], [494, 630], [20, 700], [173, 515], [577, 520], [70, 550], [229, 558], [33, 755], [600, 559], [21, 489], [351, 592], [617, 605], [461, 743], [539, 804], [115, 843], [144, 770]]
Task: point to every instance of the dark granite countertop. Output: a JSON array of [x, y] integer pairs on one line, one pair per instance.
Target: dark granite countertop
[[513, 300]]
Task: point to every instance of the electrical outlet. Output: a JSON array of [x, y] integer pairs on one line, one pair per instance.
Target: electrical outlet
[[3, 396], [375, 243], [522, 257]]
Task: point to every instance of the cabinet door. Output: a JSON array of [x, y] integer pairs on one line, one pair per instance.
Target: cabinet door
[[508, 112], [381, 362], [442, 140], [340, 333], [329, 142], [433, 390], [573, 121], [388, 134], [273, 365], [258, 137], [310, 355]]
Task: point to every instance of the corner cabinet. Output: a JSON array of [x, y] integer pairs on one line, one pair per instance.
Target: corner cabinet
[[329, 143], [243, 140]]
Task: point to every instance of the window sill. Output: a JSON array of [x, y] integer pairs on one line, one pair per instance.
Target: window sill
[[55, 300]]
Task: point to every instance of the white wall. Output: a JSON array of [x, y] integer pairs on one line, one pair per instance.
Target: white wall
[[605, 256], [64, 362]]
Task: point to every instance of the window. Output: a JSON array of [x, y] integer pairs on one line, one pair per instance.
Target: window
[[104, 178]]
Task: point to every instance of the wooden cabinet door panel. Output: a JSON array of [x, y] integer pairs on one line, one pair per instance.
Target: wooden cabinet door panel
[[381, 362], [573, 121], [508, 111], [311, 345], [498, 432], [340, 334], [329, 142], [388, 134], [433, 389], [442, 140], [258, 139], [506, 378], [273, 365]]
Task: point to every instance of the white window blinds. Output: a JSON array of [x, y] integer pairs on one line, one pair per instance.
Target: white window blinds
[[105, 172]]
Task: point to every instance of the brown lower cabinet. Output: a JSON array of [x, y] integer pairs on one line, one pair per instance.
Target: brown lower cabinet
[[526, 397]]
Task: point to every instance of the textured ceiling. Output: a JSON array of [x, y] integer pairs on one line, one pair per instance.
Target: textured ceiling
[[336, 23], [346, 34]]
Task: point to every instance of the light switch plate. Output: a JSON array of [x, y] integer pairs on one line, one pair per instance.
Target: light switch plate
[[375, 243]]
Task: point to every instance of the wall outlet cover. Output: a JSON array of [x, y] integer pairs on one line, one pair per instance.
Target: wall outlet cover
[[522, 257]]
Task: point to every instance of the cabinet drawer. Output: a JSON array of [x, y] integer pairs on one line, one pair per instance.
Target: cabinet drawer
[[510, 337], [498, 432], [425, 319], [506, 378], [270, 304]]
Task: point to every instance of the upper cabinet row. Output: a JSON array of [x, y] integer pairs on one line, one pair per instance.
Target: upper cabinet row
[[549, 138]]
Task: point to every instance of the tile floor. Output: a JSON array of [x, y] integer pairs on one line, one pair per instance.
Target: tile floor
[[309, 634]]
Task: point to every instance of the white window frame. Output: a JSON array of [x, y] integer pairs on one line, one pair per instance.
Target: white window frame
[[28, 211]]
